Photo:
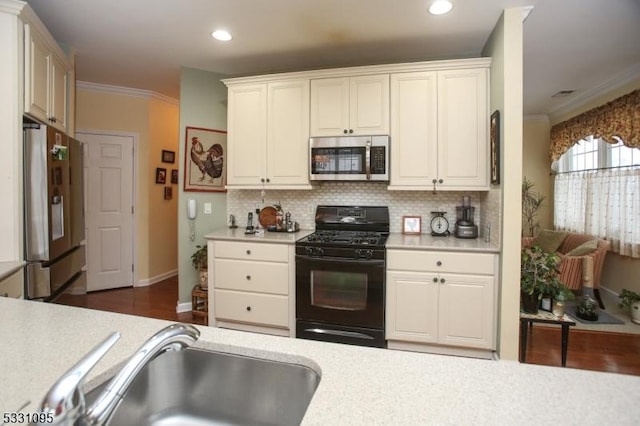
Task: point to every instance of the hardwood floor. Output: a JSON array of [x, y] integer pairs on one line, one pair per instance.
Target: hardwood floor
[[155, 301], [587, 350]]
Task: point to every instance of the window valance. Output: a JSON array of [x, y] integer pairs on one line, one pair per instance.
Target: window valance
[[620, 117]]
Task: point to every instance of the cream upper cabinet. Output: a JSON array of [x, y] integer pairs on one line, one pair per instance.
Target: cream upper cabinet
[[442, 300], [439, 134], [268, 134], [46, 80], [414, 129], [356, 105], [463, 119]]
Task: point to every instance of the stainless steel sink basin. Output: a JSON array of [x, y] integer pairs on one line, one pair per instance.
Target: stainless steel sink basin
[[200, 387]]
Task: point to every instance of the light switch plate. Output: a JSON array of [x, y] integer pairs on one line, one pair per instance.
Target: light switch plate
[[207, 208]]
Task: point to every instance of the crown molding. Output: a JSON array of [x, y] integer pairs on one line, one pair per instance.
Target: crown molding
[[13, 7], [125, 91], [618, 80], [539, 117]]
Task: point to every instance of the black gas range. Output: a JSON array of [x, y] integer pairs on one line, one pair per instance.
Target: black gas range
[[340, 276]]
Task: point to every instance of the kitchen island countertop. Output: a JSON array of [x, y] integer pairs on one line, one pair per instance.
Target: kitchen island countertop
[[8, 268], [41, 341]]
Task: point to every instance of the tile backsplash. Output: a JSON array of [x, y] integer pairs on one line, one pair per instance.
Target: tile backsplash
[[302, 204]]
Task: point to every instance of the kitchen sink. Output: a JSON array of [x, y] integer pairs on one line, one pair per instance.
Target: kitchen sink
[[202, 387]]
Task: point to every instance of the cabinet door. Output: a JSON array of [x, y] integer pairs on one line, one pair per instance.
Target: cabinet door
[[463, 151], [369, 105], [247, 134], [288, 132], [329, 107], [467, 311], [412, 307], [58, 103], [414, 131], [36, 84]]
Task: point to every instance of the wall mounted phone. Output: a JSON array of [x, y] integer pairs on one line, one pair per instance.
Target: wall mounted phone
[[192, 212], [192, 208]]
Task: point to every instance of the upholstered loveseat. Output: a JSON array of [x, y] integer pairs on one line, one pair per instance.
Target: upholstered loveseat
[[582, 257]]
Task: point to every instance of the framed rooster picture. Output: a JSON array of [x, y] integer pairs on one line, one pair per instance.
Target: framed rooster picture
[[205, 168]]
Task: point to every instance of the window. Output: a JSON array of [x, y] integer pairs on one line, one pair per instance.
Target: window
[[596, 193], [590, 153]]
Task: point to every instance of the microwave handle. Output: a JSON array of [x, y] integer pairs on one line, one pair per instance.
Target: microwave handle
[[367, 159]]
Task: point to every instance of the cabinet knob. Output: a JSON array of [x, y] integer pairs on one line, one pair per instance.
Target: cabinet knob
[[440, 181], [262, 180], [350, 130], [439, 263], [268, 180], [248, 277], [435, 279], [441, 280], [248, 251], [345, 131], [248, 308]]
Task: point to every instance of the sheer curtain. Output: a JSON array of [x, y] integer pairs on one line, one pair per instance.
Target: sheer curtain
[[603, 203]]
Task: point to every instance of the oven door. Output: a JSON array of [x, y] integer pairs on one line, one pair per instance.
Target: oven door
[[341, 291]]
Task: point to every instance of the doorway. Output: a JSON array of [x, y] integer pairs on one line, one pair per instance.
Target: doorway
[[109, 159]]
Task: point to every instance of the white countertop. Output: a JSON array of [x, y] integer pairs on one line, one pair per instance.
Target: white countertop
[[238, 234], [450, 243], [8, 268], [359, 386]]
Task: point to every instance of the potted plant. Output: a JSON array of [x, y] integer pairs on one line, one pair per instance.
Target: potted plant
[[531, 205], [199, 261], [587, 309], [539, 277], [631, 303]]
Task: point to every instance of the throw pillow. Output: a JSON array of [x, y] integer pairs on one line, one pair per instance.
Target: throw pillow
[[550, 241], [584, 248]]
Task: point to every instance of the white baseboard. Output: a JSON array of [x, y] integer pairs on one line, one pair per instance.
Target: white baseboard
[[183, 307], [156, 279]]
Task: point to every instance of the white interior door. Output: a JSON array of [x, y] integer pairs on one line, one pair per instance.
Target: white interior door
[[109, 209]]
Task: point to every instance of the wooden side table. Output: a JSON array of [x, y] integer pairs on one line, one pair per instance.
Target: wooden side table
[[200, 303], [527, 320]]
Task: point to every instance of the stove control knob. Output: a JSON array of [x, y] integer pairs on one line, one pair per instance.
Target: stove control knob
[[308, 251], [319, 251]]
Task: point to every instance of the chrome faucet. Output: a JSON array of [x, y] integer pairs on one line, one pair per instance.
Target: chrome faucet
[[65, 401]]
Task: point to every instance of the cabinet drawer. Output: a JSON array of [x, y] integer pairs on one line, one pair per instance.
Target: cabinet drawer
[[434, 261], [252, 251], [12, 285], [263, 277], [262, 309]]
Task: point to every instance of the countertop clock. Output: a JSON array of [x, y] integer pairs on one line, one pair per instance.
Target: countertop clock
[[439, 225]]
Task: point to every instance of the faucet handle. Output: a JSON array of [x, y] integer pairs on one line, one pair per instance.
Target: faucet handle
[[61, 401]]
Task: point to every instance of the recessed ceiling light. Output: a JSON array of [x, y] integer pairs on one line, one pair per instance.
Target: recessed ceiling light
[[440, 7], [221, 35]]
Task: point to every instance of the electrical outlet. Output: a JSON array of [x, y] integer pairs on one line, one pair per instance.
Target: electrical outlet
[[311, 209], [207, 208]]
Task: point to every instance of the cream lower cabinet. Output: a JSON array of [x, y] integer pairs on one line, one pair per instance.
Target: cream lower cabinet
[[439, 130], [12, 286], [268, 135], [252, 284], [441, 302]]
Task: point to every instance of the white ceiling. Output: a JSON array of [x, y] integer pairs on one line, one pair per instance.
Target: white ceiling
[[569, 44]]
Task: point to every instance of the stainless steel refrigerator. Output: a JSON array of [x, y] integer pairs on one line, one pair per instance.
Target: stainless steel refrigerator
[[54, 212]]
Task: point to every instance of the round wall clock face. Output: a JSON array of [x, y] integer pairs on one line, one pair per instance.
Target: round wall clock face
[[439, 225]]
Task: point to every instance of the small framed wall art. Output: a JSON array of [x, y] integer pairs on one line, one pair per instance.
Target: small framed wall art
[[161, 175], [174, 176], [412, 225], [494, 137], [168, 156], [168, 193]]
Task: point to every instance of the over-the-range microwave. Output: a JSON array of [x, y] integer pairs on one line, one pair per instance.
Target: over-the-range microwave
[[364, 158]]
